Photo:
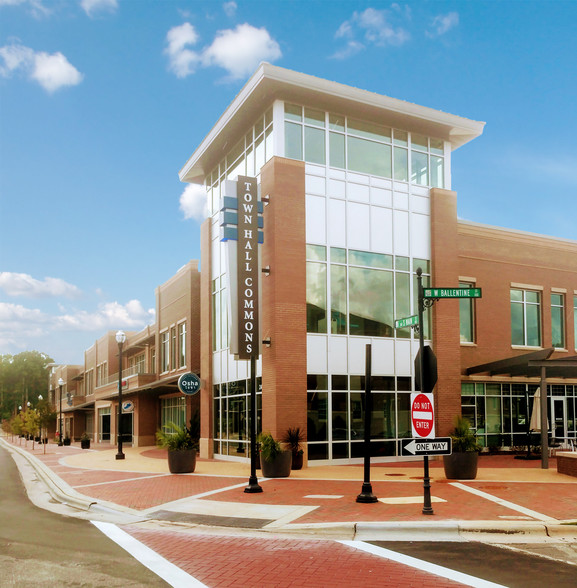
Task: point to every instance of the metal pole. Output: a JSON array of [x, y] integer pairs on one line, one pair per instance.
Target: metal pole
[[253, 485], [366, 494], [120, 454], [544, 421], [60, 443], [427, 508]]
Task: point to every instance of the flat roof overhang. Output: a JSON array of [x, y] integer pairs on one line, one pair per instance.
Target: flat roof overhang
[[529, 365], [270, 83]]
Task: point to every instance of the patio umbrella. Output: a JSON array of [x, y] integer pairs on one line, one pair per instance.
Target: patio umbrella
[[535, 423]]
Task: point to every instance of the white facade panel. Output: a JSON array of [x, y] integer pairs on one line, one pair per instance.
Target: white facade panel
[[315, 185], [358, 192], [317, 361], [338, 355], [420, 204], [336, 188], [401, 201], [381, 230], [357, 354], [403, 358], [337, 228], [358, 233], [381, 197], [358, 178], [383, 359], [421, 236], [401, 232], [316, 229]]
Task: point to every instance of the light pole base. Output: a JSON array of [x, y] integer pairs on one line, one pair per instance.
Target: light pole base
[[60, 444], [366, 496], [120, 455], [253, 486]]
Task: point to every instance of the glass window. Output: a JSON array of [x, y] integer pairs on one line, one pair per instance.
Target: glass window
[[437, 172], [370, 302], [181, 345], [164, 351], [337, 150], [437, 146], [370, 259], [293, 112], [558, 320], [316, 252], [293, 142], [338, 300], [370, 130], [401, 164], [314, 117], [466, 316], [340, 425], [368, 157], [336, 122], [316, 297], [419, 168], [419, 142], [317, 416], [525, 318], [314, 145], [403, 302], [400, 138], [338, 255]]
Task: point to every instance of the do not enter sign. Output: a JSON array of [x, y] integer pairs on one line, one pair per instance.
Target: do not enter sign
[[422, 415]]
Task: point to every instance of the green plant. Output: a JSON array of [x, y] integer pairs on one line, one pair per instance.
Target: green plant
[[176, 438], [293, 438], [269, 447], [85, 436], [463, 438]]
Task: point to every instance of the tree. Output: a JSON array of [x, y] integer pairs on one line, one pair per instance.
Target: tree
[[23, 377]]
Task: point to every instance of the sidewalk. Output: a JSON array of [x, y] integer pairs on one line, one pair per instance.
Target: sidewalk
[[510, 498]]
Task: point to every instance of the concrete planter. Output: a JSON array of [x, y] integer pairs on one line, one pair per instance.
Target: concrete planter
[[461, 466], [279, 467], [181, 461]]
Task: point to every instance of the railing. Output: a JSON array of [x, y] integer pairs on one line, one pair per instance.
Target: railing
[[126, 373]]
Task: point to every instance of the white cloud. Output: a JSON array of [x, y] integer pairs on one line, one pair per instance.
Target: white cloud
[[24, 285], [91, 7], [111, 315], [193, 202], [35, 7], [182, 61], [52, 72], [229, 8], [238, 51], [374, 27], [443, 23]]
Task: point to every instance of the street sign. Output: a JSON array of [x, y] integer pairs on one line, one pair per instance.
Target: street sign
[[189, 383], [422, 415], [438, 446], [429, 367], [407, 322], [452, 293]]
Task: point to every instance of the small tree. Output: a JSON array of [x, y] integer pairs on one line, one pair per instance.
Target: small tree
[[16, 424]]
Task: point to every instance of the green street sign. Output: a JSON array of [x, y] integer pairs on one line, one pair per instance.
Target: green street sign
[[452, 292], [407, 322]]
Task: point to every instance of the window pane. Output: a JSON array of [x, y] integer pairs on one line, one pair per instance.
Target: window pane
[[369, 130], [317, 416], [314, 145], [419, 142], [316, 252], [293, 147], [371, 302], [403, 302], [370, 259], [314, 117], [400, 138], [517, 324], [419, 168], [316, 297], [466, 317], [340, 417], [533, 325], [401, 165], [337, 150], [437, 172], [557, 331], [437, 146], [336, 122], [338, 300], [293, 112], [369, 157], [338, 255]]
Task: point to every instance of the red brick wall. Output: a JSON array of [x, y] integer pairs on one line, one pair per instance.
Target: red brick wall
[[567, 464], [284, 297]]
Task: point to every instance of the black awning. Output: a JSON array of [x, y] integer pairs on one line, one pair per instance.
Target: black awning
[[529, 365]]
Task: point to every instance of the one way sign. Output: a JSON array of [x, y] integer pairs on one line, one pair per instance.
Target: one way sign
[[438, 446]]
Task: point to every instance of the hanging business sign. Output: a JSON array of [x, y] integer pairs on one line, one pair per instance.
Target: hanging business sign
[[128, 406], [189, 383]]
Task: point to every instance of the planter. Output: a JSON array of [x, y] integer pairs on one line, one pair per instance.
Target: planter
[[279, 467], [85, 443], [181, 461], [66, 441], [461, 466], [297, 461]]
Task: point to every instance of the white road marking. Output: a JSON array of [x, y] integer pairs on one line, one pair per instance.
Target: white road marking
[[424, 566], [526, 511], [166, 570]]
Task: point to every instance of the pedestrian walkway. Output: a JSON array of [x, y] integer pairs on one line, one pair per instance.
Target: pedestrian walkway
[[508, 495]]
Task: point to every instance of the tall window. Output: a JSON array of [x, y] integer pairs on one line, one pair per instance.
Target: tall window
[[525, 318], [466, 316], [558, 320], [173, 348], [164, 351], [316, 289], [181, 345], [575, 320]]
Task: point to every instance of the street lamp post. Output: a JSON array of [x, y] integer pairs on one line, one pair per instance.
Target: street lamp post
[[120, 339], [60, 384]]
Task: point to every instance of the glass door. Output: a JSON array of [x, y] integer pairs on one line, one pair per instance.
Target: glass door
[[558, 419]]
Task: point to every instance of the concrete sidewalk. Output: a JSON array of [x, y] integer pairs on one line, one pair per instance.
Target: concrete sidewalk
[[510, 500]]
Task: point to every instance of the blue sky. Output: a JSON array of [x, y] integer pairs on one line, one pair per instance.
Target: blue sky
[[103, 101]]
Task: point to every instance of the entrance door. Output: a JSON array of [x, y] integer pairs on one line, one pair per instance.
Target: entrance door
[[558, 419], [126, 427], [105, 427]]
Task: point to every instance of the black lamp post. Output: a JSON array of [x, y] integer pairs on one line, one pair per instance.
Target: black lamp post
[[60, 384], [120, 339]]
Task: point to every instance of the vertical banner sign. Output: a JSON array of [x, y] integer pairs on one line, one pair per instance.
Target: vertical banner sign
[[247, 267], [422, 415]]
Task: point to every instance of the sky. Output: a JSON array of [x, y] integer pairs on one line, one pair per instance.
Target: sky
[[103, 101]]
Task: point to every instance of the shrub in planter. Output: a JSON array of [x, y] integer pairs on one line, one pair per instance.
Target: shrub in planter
[[85, 441], [182, 447], [293, 439], [66, 441], [274, 461], [462, 463]]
